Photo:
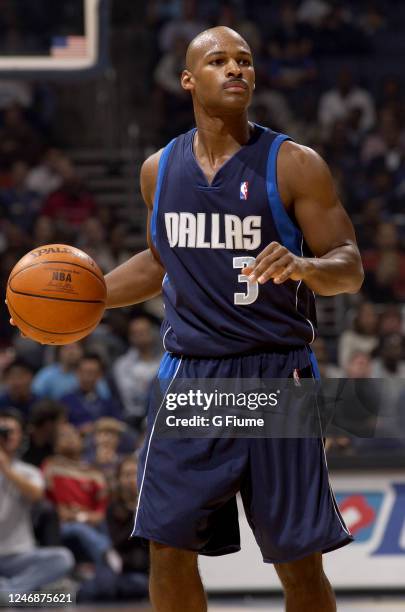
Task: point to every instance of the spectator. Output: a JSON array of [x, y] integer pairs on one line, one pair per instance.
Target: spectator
[[86, 405], [371, 218], [326, 368], [173, 102], [45, 177], [389, 362], [384, 266], [119, 243], [19, 204], [104, 452], [337, 103], [390, 321], [372, 20], [45, 417], [230, 15], [358, 365], [79, 493], [361, 337], [72, 203], [23, 566], [7, 356], [386, 142], [390, 98], [60, 378], [132, 582], [93, 241], [134, 371], [313, 11], [15, 92], [44, 231], [186, 26], [31, 352], [338, 34], [292, 67], [19, 141], [17, 388], [356, 417]]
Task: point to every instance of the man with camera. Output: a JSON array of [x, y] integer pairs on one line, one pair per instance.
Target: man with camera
[[24, 567]]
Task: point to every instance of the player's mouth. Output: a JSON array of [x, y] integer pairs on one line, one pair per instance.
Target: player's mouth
[[236, 84]]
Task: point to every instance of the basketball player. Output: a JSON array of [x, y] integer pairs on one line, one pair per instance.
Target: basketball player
[[244, 227]]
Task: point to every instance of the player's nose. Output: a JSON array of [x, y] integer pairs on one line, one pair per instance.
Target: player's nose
[[233, 69]]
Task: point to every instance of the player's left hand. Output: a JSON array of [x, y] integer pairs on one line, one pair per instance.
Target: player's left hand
[[278, 263]]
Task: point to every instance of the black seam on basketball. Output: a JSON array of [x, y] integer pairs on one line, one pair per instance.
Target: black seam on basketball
[[66, 263], [60, 299], [46, 331]]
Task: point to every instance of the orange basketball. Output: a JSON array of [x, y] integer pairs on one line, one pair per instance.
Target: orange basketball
[[56, 294]]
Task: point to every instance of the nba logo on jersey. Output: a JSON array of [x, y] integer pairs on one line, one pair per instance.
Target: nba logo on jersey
[[243, 194]]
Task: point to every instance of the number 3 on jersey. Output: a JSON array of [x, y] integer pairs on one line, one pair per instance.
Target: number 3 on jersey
[[243, 299]]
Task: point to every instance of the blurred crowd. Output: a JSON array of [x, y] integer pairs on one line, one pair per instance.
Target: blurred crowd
[[70, 432], [72, 419]]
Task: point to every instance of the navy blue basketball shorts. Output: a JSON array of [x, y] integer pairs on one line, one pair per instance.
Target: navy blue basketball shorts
[[187, 487]]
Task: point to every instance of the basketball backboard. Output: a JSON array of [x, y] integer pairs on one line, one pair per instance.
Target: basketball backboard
[[50, 38]]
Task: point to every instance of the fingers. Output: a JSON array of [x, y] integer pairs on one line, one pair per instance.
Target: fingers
[[271, 265], [13, 323], [272, 251], [268, 250], [274, 262], [288, 271], [276, 270]]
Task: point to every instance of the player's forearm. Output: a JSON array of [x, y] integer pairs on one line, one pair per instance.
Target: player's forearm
[[339, 271], [136, 280]]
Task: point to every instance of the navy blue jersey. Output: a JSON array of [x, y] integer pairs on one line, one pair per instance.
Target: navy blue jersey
[[206, 234]]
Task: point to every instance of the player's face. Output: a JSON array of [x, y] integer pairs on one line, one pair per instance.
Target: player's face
[[223, 76]]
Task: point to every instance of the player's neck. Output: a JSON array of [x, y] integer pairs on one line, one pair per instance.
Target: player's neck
[[218, 137]]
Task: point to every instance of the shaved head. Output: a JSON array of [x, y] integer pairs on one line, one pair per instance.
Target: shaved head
[[219, 74], [209, 40]]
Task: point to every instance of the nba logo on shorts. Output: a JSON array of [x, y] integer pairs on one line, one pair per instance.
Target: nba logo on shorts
[[243, 194]]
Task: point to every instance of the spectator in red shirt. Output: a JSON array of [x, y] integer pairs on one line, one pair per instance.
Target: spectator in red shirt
[[72, 203], [79, 493]]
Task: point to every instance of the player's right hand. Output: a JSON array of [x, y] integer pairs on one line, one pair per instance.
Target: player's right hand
[[12, 322]]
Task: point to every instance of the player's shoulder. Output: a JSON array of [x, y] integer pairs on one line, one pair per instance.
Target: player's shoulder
[[149, 173], [294, 153], [148, 178], [301, 163], [151, 165]]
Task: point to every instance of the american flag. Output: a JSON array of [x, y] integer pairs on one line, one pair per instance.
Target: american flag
[[69, 46]]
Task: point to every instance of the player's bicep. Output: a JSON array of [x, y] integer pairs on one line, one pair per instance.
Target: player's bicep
[[317, 208], [325, 226]]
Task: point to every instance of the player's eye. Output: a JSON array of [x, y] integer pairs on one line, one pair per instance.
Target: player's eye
[[217, 62], [245, 62]]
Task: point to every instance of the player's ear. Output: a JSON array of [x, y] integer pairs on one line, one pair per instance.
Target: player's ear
[[187, 81]]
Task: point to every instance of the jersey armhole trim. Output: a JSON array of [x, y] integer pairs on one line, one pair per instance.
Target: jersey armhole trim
[[290, 234], [164, 158]]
